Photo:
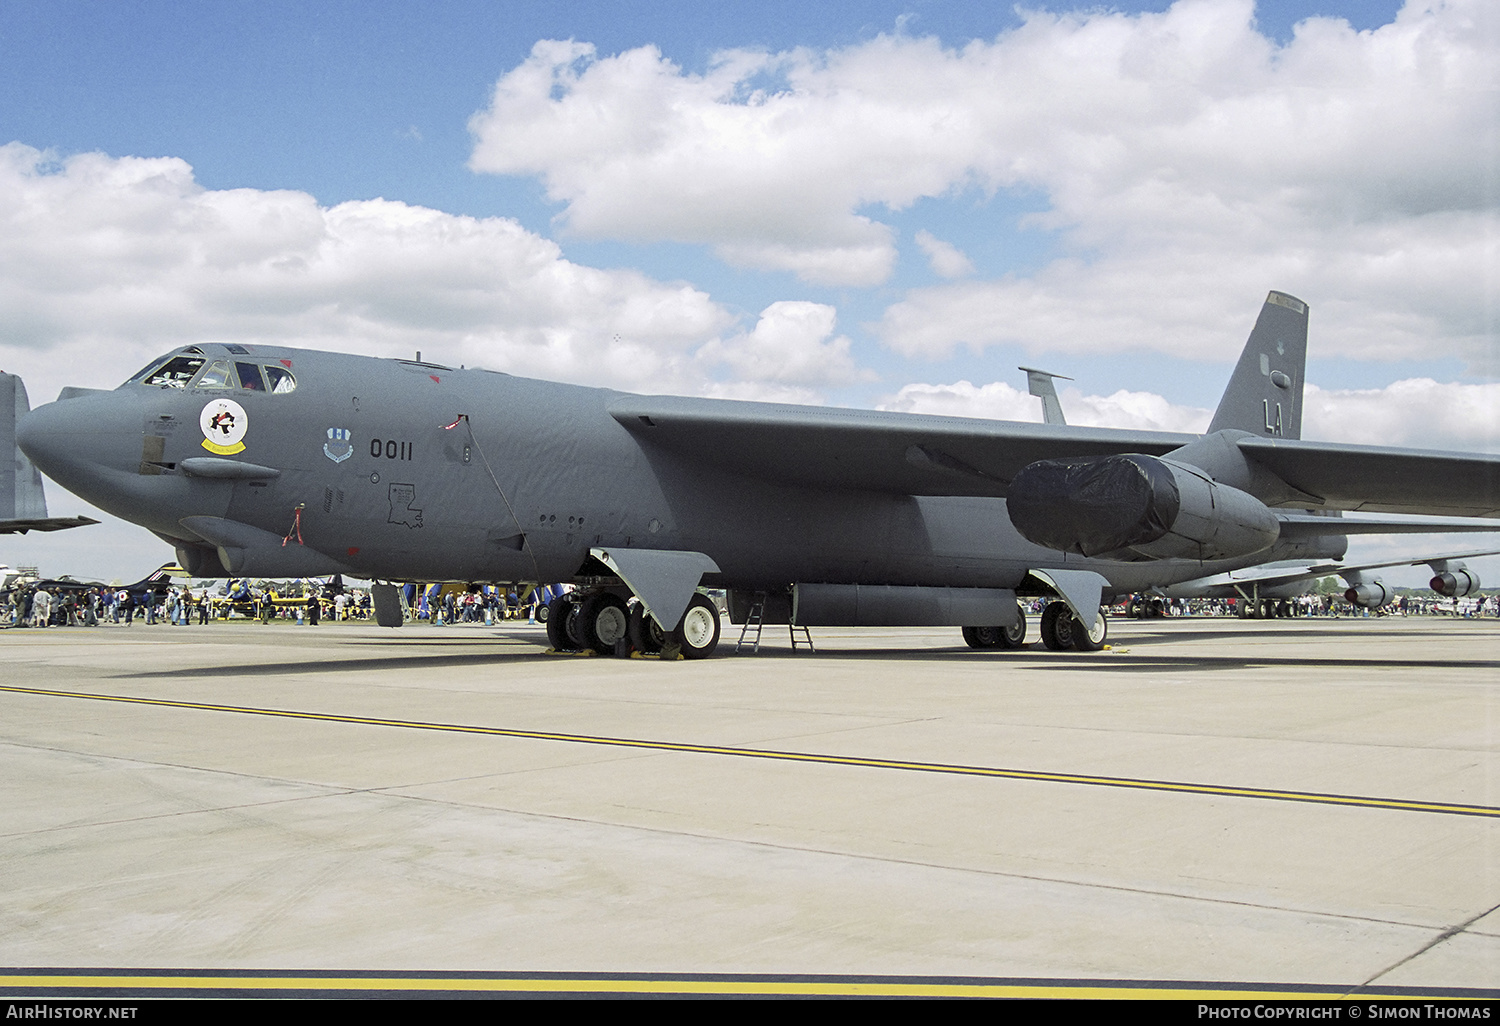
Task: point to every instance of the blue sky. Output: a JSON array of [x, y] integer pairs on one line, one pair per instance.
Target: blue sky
[[355, 100], [1074, 242]]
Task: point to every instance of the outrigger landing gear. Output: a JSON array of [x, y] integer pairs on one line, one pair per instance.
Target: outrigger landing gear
[[1061, 630]]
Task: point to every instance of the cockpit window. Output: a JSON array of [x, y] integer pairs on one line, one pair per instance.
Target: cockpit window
[[217, 376], [281, 381], [176, 372], [250, 377]]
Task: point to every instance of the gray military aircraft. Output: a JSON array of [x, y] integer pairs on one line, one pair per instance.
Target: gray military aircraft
[[266, 461]]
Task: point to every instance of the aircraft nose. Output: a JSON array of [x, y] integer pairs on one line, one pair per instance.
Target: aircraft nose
[[74, 441]]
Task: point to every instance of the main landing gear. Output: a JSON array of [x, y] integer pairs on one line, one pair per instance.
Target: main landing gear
[[997, 637], [604, 622], [1061, 630]]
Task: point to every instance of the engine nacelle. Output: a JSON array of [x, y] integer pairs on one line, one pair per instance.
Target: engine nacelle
[[1137, 504], [1370, 594], [1455, 582]]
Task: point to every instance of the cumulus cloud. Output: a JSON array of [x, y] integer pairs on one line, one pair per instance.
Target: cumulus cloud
[[1190, 164], [106, 262], [1417, 413], [947, 260], [789, 344], [999, 401]]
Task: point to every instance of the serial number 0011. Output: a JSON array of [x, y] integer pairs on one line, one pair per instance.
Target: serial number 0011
[[390, 449]]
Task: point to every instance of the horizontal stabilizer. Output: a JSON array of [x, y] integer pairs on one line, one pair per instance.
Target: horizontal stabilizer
[[1295, 526], [23, 524], [1383, 480]]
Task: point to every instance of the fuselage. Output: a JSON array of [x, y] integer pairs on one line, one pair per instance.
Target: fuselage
[[401, 470]]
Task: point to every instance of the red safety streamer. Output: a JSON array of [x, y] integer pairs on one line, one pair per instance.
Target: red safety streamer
[[296, 526]]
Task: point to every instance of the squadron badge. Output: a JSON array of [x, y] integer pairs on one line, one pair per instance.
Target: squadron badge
[[224, 424], [338, 447]]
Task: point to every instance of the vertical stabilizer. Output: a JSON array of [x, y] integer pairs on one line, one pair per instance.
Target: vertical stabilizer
[[1039, 382], [1264, 395], [21, 495]]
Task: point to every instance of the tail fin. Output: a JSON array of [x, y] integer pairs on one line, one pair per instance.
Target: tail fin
[[1264, 395], [21, 495], [1039, 383], [23, 505]]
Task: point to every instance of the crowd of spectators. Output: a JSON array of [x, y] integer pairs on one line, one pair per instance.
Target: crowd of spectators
[[34, 605]]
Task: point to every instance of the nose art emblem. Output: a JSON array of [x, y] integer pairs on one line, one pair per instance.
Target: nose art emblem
[[338, 447], [224, 424]]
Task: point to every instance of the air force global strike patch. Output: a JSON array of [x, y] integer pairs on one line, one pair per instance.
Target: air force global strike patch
[[338, 447], [224, 424]]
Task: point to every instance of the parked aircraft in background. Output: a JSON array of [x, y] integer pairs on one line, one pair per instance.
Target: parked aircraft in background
[[157, 583], [267, 461], [1266, 586]]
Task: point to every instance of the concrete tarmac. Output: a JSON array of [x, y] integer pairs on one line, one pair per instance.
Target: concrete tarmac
[[1218, 802]]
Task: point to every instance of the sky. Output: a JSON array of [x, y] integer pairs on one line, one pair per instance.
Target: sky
[[867, 204]]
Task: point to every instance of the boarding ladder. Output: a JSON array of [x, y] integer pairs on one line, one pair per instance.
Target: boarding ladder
[[756, 619]]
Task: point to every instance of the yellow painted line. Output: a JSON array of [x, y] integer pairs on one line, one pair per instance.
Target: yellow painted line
[[1355, 801], [684, 985]]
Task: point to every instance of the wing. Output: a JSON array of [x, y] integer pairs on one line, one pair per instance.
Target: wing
[[831, 447], [911, 454]]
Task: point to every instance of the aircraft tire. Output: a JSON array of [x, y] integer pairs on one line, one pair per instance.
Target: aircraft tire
[[1089, 640], [646, 634], [698, 630], [996, 637], [1013, 637], [603, 620], [1057, 626], [557, 624]]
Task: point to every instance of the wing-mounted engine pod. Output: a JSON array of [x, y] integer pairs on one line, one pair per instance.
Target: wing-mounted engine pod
[[1370, 594], [1137, 505], [1455, 582]]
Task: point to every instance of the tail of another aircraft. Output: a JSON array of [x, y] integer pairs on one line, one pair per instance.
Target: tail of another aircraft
[[1264, 395], [23, 505], [21, 495]]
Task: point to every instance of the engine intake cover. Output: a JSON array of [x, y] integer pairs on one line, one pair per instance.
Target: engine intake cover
[[1132, 505], [1094, 506]]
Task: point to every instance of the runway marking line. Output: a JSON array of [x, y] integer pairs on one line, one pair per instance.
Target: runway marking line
[[690, 984], [1134, 783]]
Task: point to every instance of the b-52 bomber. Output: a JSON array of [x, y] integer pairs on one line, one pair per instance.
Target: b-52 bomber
[[268, 462]]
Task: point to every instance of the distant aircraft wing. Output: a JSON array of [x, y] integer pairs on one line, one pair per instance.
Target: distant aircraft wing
[[1271, 575], [20, 525], [1383, 480], [832, 447]]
